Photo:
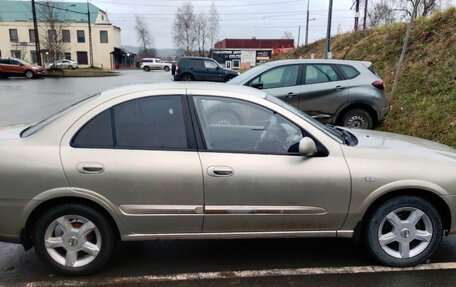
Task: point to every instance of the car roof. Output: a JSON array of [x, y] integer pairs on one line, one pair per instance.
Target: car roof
[[313, 61], [197, 58], [191, 87]]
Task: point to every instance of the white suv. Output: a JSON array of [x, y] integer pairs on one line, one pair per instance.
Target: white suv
[[148, 64]]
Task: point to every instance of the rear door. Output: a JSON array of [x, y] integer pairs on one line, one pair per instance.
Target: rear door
[[324, 90], [140, 155], [197, 69], [15, 67], [282, 82]]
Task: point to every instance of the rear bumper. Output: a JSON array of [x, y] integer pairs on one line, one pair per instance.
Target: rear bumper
[[177, 77], [383, 113]]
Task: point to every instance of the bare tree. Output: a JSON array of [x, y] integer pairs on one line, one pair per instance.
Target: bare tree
[[380, 14], [213, 24], [144, 38], [53, 17], [183, 30], [287, 35], [201, 32]]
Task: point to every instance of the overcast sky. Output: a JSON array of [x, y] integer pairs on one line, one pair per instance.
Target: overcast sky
[[239, 18]]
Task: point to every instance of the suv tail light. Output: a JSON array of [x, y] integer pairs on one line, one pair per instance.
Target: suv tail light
[[177, 68], [379, 85]]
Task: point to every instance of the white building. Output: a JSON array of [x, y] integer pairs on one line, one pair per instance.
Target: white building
[[17, 38]]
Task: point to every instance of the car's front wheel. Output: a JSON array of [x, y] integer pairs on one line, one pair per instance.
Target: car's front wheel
[[404, 231], [29, 74], [75, 239]]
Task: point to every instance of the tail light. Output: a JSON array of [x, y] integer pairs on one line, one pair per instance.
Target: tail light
[[177, 68], [379, 85]]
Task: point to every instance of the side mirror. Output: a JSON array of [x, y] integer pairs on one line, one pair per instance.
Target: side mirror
[[218, 68], [307, 147], [258, 86]]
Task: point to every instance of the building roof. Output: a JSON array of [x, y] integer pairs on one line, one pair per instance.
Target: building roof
[[255, 43], [21, 11]]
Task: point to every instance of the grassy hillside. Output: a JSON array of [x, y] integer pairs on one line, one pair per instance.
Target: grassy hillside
[[425, 102]]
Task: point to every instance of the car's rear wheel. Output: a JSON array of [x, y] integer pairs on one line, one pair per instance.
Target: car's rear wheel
[[166, 68], [146, 68], [29, 74], [404, 231], [358, 119], [74, 239], [187, 77], [72, 67]]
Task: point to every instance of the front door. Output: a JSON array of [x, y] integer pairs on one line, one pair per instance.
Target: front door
[[255, 180], [147, 168], [323, 92], [281, 82], [212, 72]]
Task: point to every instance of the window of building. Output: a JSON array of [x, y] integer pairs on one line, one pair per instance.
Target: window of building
[[151, 123], [320, 73], [102, 17], [82, 58], [0, 53], [103, 36], [33, 56], [13, 35], [52, 35], [32, 35], [16, 54], [97, 133], [68, 56], [81, 36], [245, 127], [66, 36], [236, 64], [279, 77]]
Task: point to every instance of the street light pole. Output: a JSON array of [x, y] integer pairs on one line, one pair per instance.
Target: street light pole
[[328, 30], [90, 35], [365, 15], [299, 35], [37, 36], [307, 24], [357, 16]]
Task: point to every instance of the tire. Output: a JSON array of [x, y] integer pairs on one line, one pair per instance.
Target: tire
[[73, 217], [166, 68], [224, 117], [71, 67], [29, 74], [357, 119], [398, 211], [187, 77], [146, 68], [228, 78]]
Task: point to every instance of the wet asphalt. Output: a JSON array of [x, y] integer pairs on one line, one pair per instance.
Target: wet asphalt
[[23, 101]]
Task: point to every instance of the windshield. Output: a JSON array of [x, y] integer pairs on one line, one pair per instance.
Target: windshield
[[39, 125], [246, 75], [335, 135]]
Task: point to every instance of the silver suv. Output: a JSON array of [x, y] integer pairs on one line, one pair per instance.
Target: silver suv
[[346, 93]]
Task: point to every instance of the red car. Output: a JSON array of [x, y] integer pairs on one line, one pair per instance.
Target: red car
[[18, 67]]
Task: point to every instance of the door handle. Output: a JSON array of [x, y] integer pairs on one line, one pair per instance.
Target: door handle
[[90, 167], [290, 95], [339, 88], [220, 171]]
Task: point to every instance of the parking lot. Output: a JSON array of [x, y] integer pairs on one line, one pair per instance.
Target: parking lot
[[267, 262]]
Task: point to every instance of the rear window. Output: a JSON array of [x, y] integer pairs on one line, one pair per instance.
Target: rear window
[[147, 61], [349, 71], [195, 63], [4, 61]]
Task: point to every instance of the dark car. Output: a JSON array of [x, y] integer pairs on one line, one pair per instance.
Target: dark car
[[201, 69], [18, 67]]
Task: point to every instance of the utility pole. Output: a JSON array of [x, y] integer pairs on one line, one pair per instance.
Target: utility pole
[[365, 15], [328, 30], [90, 35], [357, 16], [299, 35], [37, 36], [307, 24], [404, 49]]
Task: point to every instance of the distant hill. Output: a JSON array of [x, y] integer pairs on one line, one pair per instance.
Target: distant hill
[[162, 53], [425, 102]]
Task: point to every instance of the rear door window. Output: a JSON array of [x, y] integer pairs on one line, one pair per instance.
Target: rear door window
[[196, 64], [97, 133], [320, 73]]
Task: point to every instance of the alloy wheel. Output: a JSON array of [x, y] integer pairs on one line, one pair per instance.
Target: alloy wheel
[[405, 232], [72, 241]]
